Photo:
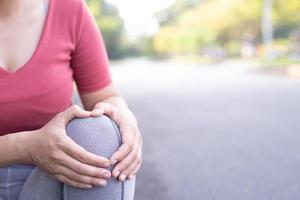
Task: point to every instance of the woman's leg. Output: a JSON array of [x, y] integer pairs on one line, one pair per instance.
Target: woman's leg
[[12, 179], [98, 135]]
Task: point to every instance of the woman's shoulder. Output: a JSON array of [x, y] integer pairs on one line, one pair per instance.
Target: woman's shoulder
[[68, 12], [68, 6], [68, 18]]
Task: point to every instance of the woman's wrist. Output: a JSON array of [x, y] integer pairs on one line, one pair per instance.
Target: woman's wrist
[[20, 144]]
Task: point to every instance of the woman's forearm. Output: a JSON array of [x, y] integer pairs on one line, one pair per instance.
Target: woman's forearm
[[117, 101], [13, 148]]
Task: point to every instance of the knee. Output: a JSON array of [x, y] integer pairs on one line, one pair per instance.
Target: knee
[[99, 135]]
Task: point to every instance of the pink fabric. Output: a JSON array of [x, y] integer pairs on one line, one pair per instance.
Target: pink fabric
[[70, 48]]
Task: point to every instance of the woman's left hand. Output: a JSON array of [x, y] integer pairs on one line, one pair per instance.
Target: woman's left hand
[[128, 158]]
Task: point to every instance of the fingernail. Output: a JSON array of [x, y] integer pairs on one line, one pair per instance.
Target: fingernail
[[88, 186], [122, 177], [107, 175], [106, 164], [96, 112], [101, 183], [130, 177]]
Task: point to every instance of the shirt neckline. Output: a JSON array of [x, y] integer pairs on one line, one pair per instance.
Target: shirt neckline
[[39, 44]]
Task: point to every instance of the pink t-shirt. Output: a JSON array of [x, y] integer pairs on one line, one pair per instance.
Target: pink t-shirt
[[70, 48]]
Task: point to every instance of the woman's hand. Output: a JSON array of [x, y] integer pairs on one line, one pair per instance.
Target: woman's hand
[[52, 150], [128, 158]]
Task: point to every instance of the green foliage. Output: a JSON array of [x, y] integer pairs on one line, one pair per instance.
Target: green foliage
[[111, 26], [286, 17], [220, 22], [287, 11]]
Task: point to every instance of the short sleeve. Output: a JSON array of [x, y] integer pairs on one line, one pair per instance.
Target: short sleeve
[[89, 59]]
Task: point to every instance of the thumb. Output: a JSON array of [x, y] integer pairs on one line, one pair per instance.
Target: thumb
[[74, 112]]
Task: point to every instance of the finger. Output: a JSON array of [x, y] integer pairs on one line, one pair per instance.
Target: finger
[[70, 182], [125, 174], [105, 107], [109, 110], [79, 153], [135, 171], [80, 178], [129, 159], [139, 161], [121, 153], [125, 163], [74, 111], [84, 169], [96, 112]]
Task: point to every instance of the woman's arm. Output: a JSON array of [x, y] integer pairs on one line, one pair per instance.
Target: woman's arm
[[129, 156], [12, 148]]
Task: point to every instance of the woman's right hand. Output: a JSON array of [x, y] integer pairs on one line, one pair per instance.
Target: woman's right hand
[[52, 150]]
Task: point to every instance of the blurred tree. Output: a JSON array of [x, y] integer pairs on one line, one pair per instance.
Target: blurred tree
[[221, 23], [209, 23], [111, 25], [286, 17]]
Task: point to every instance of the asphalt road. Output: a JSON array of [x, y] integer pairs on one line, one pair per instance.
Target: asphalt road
[[214, 132]]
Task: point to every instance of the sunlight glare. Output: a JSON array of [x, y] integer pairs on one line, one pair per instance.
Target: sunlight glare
[[139, 15]]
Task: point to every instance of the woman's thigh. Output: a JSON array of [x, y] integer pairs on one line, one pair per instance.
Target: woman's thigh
[[98, 135], [12, 179]]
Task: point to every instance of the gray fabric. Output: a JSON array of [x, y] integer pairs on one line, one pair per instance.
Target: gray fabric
[[98, 135], [12, 179]]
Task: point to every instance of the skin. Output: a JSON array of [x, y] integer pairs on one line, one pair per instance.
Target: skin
[[58, 155]]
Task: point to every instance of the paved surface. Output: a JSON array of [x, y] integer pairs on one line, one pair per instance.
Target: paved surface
[[215, 132]]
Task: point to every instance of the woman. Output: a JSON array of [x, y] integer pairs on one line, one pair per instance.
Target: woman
[[45, 153]]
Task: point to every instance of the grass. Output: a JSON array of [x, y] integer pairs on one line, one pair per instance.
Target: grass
[[280, 62]]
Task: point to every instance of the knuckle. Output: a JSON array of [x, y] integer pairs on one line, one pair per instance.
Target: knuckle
[[60, 141], [134, 156], [74, 176], [121, 167], [56, 156], [51, 144], [52, 168], [54, 137], [75, 108], [82, 158], [87, 180], [130, 147], [131, 168], [79, 169], [126, 164], [60, 144], [93, 172]]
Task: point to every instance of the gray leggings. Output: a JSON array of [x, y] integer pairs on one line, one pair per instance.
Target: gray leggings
[[98, 135]]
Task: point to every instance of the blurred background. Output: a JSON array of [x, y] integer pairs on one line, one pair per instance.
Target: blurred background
[[214, 85]]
